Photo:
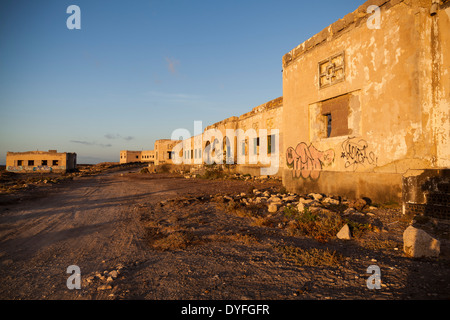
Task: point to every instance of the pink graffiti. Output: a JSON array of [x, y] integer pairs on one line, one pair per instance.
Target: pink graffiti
[[307, 161]]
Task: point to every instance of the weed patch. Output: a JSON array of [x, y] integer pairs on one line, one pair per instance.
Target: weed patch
[[310, 257]]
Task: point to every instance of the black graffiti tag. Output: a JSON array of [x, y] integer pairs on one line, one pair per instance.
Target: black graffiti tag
[[355, 153]]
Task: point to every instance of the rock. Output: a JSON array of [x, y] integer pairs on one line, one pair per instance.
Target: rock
[[344, 233], [273, 207], [289, 198], [274, 200], [349, 211], [331, 201], [417, 243], [357, 204], [104, 287], [316, 196], [315, 203], [305, 201], [301, 207]]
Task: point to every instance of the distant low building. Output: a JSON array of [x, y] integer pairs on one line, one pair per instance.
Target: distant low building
[[127, 156], [160, 155], [41, 161]]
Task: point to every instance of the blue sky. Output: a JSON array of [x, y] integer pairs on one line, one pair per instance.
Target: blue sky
[[137, 70]]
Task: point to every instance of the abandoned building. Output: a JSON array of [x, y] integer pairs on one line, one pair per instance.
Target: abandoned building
[[365, 105], [40, 161], [162, 153], [127, 156], [364, 111]]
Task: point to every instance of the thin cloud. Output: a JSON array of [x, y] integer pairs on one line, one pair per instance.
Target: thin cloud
[[111, 136], [172, 64], [87, 143]]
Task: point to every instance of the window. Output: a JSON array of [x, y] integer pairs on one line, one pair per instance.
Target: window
[[329, 120], [137, 157], [55, 162], [271, 148], [20, 163], [169, 153], [192, 154], [243, 148], [335, 114], [332, 70], [30, 163], [44, 162]]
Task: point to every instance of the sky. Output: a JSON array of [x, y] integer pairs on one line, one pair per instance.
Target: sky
[[137, 70]]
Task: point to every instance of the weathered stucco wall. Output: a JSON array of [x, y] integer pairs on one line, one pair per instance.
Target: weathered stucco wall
[[40, 161], [385, 92], [163, 151], [127, 156]]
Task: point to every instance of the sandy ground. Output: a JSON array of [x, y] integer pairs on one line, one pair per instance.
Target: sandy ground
[[115, 229]]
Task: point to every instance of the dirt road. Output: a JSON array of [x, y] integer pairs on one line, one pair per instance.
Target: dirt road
[[111, 225]]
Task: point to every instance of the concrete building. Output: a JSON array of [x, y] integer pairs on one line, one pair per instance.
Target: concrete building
[[127, 156], [148, 156], [161, 154], [163, 151], [40, 161], [364, 113], [365, 103]]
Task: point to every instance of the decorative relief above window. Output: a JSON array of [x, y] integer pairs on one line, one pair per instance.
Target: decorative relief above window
[[332, 70]]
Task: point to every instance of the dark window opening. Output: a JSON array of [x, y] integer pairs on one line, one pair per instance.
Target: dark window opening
[[30, 162], [55, 162], [335, 113], [44, 162], [329, 121]]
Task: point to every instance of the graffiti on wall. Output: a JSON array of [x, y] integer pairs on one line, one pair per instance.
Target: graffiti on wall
[[355, 153], [43, 169], [308, 161], [35, 169]]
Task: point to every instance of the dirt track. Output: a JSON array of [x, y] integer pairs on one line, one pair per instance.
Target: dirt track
[[105, 223]]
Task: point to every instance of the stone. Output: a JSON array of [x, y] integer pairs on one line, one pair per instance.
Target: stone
[[305, 201], [349, 211], [273, 207], [274, 200], [316, 196], [104, 287], [344, 233], [289, 198], [301, 207], [331, 201], [417, 243], [357, 204]]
